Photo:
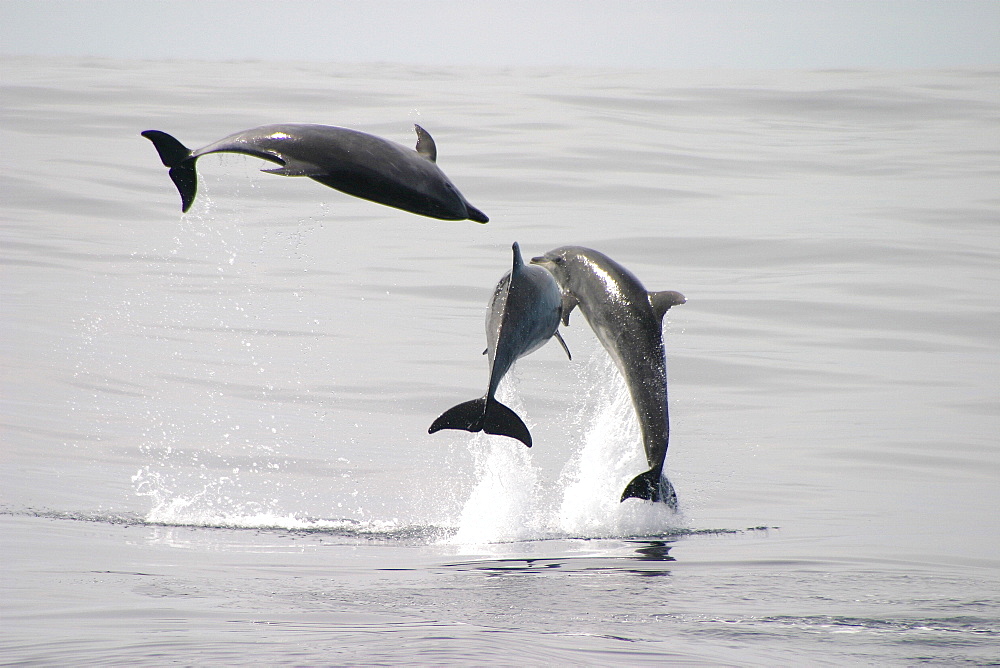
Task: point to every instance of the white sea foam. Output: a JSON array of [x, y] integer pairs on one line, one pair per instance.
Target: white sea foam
[[510, 502]]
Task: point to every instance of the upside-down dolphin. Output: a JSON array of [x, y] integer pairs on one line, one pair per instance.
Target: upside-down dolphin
[[628, 320], [352, 162], [523, 315]]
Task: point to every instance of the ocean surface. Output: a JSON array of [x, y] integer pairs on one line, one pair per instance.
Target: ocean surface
[[214, 439]]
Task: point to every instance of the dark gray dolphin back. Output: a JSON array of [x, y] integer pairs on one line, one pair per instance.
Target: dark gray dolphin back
[[627, 319], [350, 161], [523, 314]]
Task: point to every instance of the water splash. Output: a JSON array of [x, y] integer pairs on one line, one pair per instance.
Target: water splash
[[218, 505], [226, 465], [502, 506], [610, 454], [510, 501]]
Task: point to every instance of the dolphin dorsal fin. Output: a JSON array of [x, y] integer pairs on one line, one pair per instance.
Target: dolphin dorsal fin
[[425, 144], [662, 301], [518, 261]]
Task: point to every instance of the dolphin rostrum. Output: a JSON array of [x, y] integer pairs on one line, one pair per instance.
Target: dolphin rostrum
[[523, 315], [628, 320], [352, 162]]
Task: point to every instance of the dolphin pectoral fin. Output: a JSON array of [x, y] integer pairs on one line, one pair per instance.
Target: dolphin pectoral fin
[[296, 168], [569, 302], [502, 421], [651, 486], [468, 415], [425, 144], [177, 157], [662, 301], [563, 343]]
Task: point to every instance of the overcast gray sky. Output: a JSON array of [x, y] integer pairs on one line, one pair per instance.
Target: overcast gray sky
[[615, 33]]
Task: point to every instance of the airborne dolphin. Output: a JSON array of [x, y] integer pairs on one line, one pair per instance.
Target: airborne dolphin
[[352, 162], [628, 320], [523, 315]]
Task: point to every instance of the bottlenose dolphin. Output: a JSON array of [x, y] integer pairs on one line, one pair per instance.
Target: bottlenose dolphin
[[352, 162], [628, 320], [523, 315]]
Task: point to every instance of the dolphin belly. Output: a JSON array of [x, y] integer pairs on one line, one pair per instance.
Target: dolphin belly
[[396, 194]]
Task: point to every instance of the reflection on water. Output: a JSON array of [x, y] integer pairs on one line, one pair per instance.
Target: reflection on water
[[654, 550], [577, 565], [653, 555]]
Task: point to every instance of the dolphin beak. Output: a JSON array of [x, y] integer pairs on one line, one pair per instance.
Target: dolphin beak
[[475, 214], [538, 260]]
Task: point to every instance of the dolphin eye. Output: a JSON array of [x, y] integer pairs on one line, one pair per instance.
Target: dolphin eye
[[559, 259]]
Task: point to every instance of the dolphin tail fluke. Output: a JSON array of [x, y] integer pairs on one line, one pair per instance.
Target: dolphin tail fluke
[[468, 415], [503, 421], [482, 415], [177, 157], [651, 486]]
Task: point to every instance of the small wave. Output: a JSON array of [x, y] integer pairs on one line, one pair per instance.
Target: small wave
[[388, 531], [374, 530]]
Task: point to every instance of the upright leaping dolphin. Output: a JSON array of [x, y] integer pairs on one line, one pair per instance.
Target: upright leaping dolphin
[[523, 315], [628, 320], [352, 162]]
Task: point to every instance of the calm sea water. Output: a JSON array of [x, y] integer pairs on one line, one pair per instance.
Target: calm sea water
[[214, 439]]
